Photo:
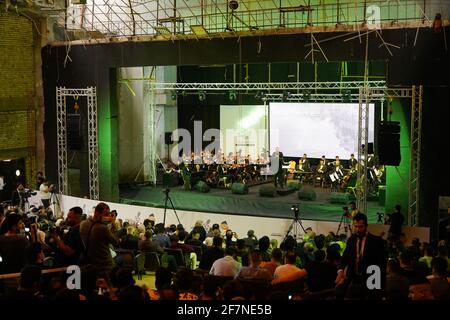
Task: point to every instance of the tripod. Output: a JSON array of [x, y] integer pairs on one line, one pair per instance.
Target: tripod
[[171, 204], [54, 201], [296, 224], [347, 226]]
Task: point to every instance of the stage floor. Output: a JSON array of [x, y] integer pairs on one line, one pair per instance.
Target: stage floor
[[251, 204]]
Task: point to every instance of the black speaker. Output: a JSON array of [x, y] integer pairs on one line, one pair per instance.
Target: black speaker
[[370, 148], [168, 137], [389, 143], [74, 137]]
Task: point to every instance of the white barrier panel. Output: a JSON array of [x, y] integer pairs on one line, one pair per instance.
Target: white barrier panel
[[275, 228]]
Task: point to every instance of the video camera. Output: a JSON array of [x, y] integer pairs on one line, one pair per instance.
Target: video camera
[[26, 193], [296, 210]]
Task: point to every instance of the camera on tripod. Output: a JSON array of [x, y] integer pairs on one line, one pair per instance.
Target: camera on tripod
[[26, 193], [295, 209]]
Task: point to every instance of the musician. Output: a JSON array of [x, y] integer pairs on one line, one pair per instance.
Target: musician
[[322, 167], [303, 163], [352, 163]]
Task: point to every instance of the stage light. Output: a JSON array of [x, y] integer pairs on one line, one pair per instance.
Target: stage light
[[232, 95], [285, 95], [259, 95], [201, 95], [306, 95], [173, 95], [162, 30], [18, 173], [199, 30], [346, 96]]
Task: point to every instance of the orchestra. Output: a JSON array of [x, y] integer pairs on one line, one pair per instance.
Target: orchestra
[[212, 167]]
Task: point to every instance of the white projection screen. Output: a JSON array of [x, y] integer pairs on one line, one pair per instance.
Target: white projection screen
[[317, 129], [244, 129]]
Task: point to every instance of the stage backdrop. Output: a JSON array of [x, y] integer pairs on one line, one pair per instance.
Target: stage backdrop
[[244, 129], [317, 129]]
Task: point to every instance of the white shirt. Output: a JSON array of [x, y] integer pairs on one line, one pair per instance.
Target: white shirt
[[225, 267], [43, 190], [2, 183]]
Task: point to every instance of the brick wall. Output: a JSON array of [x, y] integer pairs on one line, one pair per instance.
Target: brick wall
[[17, 90]]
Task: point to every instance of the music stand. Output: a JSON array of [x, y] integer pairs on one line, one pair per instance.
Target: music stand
[[296, 222], [166, 192]]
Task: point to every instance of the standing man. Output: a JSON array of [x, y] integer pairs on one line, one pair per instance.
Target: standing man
[[354, 210], [98, 234], [363, 250], [44, 190], [396, 219], [279, 162]]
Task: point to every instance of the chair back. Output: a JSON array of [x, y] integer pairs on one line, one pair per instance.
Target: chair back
[[139, 261], [152, 262], [178, 254], [127, 258]]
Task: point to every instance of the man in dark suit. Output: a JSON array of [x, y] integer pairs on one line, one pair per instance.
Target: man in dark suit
[[363, 251]]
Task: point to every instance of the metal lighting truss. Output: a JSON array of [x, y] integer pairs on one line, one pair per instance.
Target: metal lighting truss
[[357, 91], [90, 94]]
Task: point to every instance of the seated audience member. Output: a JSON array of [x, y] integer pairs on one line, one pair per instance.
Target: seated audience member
[[28, 290], [195, 240], [212, 254], [397, 285], [321, 273], [233, 290], [251, 241], [161, 238], [428, 256], [438, 279], [198, 227], [178, 243], [276, 260], [169, 292], [210, 289], [288, 271], [242, 252], [226, 266], [254, 271], [13, 245], [184, 280], [263, 246], [163, 278], [132, 293], [146, 244]]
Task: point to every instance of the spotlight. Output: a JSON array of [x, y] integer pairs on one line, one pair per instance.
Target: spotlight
[[18, 173], [306, 95], [232, 95], [233, 4], [346, 96], [286, 95], [173, 95], [201, 95], [259, 95]]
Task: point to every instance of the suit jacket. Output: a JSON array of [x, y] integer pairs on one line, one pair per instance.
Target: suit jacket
[[374, 254]]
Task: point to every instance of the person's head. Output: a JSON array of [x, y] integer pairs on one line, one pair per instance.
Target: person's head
[[215, 226], [255, 257], [163, 277], [196, 235], [184, 278], [132, 293], [217, 242], [319, 241], [439, 266], [35, 253], [13, 223], [101, 212], [264, 243], [74, 216], [276, 255], [397, 208], [30, 278], [181, 236], [230, 251], [168, 292], [319, 255], [333, 253], [352, 205], [122, 277], [198, 223], [251, 233], [360, 224], [148, 235], [290, 257], [114, 215], [352, 156], [233, 289], [345, 209], [20, 187]]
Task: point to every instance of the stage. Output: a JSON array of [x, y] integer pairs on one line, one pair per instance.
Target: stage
[[223, 201]]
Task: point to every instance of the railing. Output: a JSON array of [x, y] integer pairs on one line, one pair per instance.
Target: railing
[[114, 20]]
